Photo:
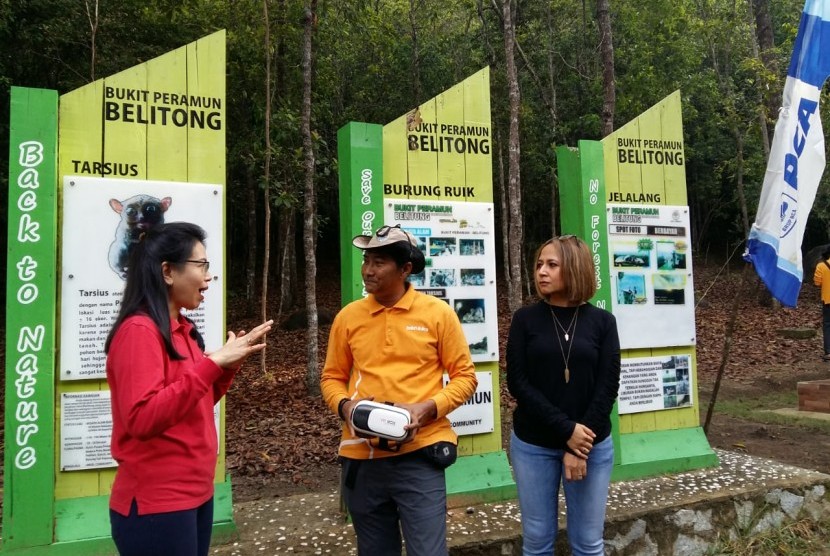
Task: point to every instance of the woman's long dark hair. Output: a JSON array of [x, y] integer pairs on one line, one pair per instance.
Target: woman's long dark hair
[[146, 291]]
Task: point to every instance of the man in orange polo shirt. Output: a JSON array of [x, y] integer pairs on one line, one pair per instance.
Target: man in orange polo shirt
[[394, 346], [821, 278]]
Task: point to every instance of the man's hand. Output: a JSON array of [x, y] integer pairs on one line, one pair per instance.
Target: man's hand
[[349, 406], [421, 414]]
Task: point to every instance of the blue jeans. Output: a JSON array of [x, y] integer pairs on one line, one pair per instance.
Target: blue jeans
[[538, 472]]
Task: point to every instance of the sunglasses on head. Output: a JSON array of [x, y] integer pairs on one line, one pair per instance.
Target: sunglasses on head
[[383, 231]]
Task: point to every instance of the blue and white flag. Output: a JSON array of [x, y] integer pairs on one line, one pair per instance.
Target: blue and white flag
[[796, 161]]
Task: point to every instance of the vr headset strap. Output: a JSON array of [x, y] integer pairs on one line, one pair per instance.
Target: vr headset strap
[[383, 444], [352, 466]]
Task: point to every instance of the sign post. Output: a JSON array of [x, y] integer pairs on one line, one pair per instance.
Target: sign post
[[626, 197], [436, 182], [154, 133], [29, 459]]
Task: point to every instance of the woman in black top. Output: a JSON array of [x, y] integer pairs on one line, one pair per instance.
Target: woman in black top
[[563, 368]]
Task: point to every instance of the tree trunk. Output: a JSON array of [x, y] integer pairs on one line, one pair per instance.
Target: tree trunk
[[762, 109], [551, 81], [514, 192], [266, 258], [310, 206], [766, 46], [416, 56], [92, 16], [505, 215], [287, 263], [554, 190], [739, 179], [491, 53], [607, 54], [251, 244], [280, 56]]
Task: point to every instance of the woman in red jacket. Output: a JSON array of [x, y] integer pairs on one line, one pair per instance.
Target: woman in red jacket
[[164, 388]]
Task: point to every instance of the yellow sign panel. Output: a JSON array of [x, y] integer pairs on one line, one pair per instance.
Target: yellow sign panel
[[442, 150], [161, 120], [645, 165], [644, 160]]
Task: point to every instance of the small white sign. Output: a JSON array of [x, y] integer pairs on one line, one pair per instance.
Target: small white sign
[[651, 275], [655, 383], [458, 242], [476, 415], [86, 428]]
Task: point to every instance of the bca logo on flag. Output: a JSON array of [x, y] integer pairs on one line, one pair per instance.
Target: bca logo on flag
[[789, 211]]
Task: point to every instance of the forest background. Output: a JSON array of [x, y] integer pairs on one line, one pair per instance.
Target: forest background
[[561, 71]]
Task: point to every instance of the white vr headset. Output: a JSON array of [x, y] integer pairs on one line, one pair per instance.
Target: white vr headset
[[381, 420]]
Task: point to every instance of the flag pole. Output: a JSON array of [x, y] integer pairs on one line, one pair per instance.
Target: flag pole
[[727, 344]]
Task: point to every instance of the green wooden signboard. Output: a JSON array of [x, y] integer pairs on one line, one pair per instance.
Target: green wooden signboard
[[30, 320]]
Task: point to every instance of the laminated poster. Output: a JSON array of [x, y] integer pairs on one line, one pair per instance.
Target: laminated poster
[[651, 275], [654, 383], [102, 221]]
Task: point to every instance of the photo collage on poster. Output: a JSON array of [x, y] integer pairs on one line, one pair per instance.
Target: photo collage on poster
[[457, 241], [655, 383], [651, 275]]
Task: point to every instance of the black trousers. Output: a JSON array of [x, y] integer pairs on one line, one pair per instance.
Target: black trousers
[[181, 533], [399, 493]]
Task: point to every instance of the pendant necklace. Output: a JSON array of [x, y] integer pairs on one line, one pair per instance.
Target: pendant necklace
[[567, 333]]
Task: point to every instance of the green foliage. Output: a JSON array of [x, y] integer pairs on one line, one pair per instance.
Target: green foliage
[[375, 60]]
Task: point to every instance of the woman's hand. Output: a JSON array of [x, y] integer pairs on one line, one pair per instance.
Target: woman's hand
[[576, 468], [581, 441], [240, 346]]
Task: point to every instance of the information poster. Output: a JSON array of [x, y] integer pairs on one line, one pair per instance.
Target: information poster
[[86, 428], [475, 416], [103, 221], [457, 241], [655, 383], [651, 275]]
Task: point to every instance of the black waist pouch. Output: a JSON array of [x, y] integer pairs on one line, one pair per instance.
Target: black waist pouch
[[441, 454]]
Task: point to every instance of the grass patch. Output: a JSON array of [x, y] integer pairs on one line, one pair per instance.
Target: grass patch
[[800, 538], [758, 409]]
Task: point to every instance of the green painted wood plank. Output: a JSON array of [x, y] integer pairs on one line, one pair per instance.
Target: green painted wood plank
[[360, 154], [30, 328], [659, 452], [480, 478], [77, 519]]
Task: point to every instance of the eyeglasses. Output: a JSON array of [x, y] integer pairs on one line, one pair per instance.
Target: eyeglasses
[[383, 231], [203, 263], [566, 236]]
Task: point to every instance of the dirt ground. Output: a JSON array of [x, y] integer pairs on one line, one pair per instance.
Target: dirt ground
[[281, 441], [794, 444]]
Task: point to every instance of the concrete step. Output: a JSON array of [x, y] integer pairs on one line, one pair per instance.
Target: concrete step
[[682, 514]]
